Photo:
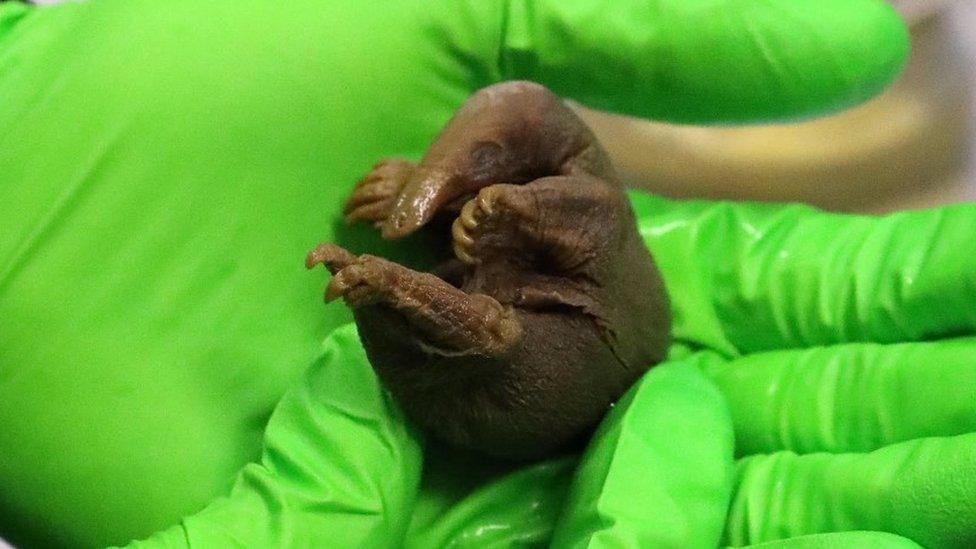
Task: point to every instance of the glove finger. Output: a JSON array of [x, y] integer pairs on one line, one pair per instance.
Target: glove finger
[[922, 489], [749, 277], [706, 60], [339, 464], [849, 398], [842, 540], [658, 470]]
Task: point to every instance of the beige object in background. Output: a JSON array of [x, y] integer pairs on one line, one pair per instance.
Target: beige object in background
[[907, 147]]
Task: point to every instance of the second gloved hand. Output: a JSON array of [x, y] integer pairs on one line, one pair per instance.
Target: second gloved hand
[[822, 393]]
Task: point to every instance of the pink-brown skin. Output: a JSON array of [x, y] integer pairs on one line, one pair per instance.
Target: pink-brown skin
[[551, 306]]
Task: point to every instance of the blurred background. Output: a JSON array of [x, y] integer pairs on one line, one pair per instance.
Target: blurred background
[[911, 147]]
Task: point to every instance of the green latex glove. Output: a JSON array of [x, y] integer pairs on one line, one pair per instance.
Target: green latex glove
[[165, 166], [340, 467], [841, 350]]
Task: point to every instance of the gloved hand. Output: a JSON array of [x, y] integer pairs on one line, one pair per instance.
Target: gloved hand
[[165, 166], [840, 350], [853, 421]]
